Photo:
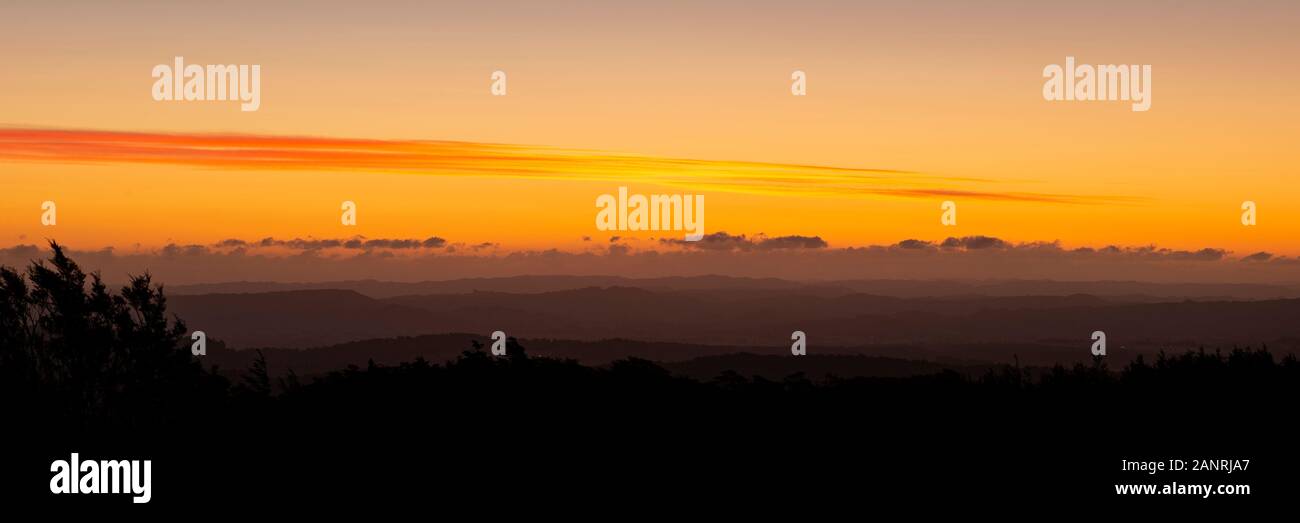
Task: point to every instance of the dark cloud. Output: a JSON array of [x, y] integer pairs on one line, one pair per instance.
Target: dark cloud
[[313, 245], [718, 241], [914, 244], [973, 243], [392, 244], [354, 243], [1202, 255], [1152, 251], [722, 241], [1258, 257], [792, 242], [172, 249], [1054, 246]]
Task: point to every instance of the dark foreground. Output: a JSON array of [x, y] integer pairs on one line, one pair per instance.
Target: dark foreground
[[502, 433], [110, 377]]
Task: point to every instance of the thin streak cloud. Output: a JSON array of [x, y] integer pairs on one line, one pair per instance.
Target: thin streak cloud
[[451, 158]]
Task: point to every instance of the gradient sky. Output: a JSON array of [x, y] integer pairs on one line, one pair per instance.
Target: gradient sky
[[913, 103]]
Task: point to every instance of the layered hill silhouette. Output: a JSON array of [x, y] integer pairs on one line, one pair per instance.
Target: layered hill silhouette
[[112, 373], [758, 319]]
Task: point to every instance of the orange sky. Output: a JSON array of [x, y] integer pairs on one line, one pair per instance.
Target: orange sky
[[921, 101]]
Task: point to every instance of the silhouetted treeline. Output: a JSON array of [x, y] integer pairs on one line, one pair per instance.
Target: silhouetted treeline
[[72, 353]]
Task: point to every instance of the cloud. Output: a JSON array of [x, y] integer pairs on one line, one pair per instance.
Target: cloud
[[389, 244], [791, 257], [25, 251], [1258, 257], [1201, 255], [722, 241], [792, 242], [360, 243], [173, 250], [451, 158], [718, 241], [1207, 254], [914, 244], [974, 243]]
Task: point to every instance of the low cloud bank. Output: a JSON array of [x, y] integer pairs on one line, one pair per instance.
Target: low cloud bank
[[758, 255]]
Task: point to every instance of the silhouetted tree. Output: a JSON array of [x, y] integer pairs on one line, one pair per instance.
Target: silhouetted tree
[[258, 380], [74, 352]]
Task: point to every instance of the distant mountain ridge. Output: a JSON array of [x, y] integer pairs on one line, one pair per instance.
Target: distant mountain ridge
[[743, 317], [1127, 290]]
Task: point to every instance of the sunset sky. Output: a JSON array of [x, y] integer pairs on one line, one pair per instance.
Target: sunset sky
[[909, 104]]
